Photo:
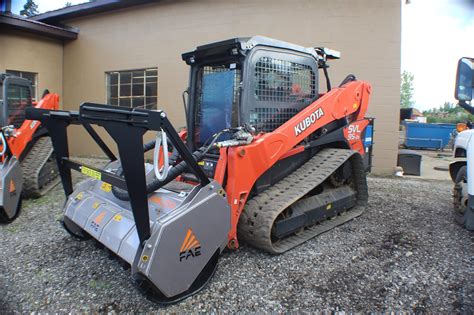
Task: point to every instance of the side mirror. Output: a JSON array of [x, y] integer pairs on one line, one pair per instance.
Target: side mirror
[[464, 80]]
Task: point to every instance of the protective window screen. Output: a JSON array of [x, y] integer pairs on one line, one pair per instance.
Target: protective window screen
[[133, 88], [281, 88], [279, 80], [268, 119], [32, 76], [18, 99], [217, 100]]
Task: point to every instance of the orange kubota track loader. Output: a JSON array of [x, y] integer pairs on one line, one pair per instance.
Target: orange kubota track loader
[[266, 159], [27, 166]]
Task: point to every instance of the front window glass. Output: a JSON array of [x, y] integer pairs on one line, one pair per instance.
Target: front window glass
[[217, 100], [18, 99]]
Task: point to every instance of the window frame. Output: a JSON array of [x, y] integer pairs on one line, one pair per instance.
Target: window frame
[[206, 68], [251, 107], [131, 84], [34, 84]]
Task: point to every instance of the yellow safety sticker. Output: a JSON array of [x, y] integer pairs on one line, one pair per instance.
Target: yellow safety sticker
[[91, 173], [328, 207], [95, 205], [201, 163], [79, 196], [106, 187], [355, 105], [117, 217]]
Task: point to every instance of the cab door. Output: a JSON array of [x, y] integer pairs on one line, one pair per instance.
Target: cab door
[[16, 98]]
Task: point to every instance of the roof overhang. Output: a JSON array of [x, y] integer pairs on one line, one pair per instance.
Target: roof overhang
[[85, 9], [9, 21]]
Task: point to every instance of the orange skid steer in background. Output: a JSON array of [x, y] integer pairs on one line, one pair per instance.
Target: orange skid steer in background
[[27, 166], [266, 159]]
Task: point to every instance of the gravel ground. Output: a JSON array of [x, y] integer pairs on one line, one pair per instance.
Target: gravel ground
[[404, 254]]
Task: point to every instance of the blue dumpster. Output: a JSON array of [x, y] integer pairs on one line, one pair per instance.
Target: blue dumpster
[[427, 136]]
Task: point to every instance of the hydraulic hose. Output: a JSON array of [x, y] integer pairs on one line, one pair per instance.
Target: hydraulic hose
[[174, 172], [149, 146]]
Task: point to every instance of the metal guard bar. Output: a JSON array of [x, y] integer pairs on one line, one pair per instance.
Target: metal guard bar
[[126, 126]]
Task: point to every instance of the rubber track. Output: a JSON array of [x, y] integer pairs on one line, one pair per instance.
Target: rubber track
[[31, 166], [260, 212]]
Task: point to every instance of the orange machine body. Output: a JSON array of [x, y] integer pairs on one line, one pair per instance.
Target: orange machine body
[[245, 164], [23, 135]]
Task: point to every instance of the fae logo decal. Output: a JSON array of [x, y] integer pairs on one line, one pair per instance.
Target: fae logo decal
[[308, 121], [191, 247]]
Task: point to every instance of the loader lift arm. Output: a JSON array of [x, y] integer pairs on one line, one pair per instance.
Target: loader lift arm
[[126, 127]]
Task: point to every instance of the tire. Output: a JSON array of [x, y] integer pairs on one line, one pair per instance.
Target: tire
[[460, 195]]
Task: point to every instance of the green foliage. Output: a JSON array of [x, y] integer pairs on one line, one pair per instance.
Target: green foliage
[[68, 4], [447, 113], [29, 9], [406, 90]]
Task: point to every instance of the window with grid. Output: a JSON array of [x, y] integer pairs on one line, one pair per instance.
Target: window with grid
[[133, 88], [18, 99], [281, 88], [32, 76], [283, 81]]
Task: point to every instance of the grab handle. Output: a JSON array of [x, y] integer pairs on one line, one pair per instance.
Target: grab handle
[[161, 175]]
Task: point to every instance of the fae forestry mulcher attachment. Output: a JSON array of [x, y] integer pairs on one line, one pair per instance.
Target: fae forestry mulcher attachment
[[265, 159], [27, 164]]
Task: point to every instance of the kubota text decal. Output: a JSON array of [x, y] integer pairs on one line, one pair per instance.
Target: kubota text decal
[[308, 121]]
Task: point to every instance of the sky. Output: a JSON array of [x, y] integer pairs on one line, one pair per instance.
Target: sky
[[435, 34]]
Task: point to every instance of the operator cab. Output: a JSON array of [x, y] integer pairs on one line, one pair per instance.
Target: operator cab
[[15, 98], [258, 81]]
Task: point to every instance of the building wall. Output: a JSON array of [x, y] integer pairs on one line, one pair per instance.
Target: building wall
[[367, 33], [25, 52]]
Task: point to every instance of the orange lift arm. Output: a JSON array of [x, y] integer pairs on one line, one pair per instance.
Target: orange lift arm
[[24, 134]]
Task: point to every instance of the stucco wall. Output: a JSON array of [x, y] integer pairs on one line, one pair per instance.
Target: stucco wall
[[25, 52], [367, 33]]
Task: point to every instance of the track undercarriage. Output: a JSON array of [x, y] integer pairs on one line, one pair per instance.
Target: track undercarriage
[[40, 172], [326, 191]]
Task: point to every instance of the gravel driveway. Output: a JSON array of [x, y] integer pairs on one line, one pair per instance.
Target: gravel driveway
[[405, 253]]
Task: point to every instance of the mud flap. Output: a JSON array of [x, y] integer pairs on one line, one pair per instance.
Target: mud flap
[[11, 181]]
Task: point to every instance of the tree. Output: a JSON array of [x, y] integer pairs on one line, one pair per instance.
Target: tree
[[448, 107], [68, 4], [29, 9], [406, 90]]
